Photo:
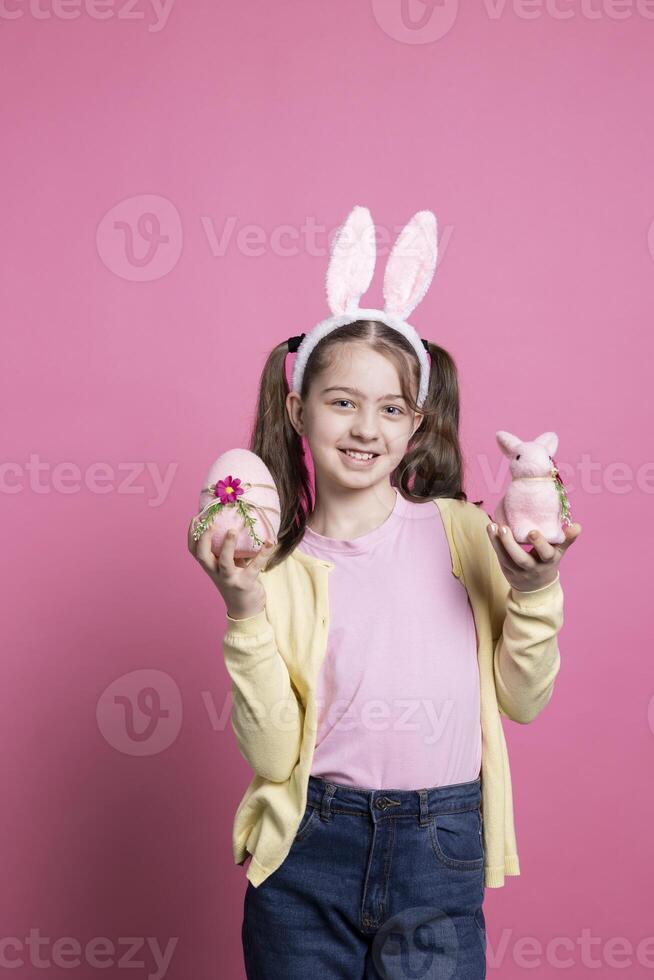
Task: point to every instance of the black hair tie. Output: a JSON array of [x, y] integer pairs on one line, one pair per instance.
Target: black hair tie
[[294, 342]]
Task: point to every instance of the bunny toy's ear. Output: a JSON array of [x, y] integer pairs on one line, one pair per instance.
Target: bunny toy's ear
[[352, 262], [411, 264], [507, 442], [550, 440]]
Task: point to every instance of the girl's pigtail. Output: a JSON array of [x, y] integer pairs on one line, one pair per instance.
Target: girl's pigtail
[[434, 460], [280, 447]]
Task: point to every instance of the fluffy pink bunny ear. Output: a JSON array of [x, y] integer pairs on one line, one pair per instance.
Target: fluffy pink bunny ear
[[550, 440], [411, 264], [352, 262], [507, 442]]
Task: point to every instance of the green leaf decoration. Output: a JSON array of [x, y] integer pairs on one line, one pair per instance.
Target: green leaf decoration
[[564, 504], [205, 522]]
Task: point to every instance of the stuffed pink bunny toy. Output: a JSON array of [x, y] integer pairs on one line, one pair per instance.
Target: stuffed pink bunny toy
[[239, 493], [536, 499]]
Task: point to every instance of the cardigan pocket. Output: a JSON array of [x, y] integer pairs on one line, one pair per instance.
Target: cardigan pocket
[[457, 839]]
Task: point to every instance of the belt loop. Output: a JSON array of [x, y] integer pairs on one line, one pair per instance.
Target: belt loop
[[325, 813], [424, 807]]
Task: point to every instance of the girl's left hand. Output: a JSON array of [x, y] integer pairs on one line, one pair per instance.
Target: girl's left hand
[[527, 571]]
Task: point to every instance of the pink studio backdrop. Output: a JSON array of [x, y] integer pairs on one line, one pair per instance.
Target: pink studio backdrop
[[171, 179]]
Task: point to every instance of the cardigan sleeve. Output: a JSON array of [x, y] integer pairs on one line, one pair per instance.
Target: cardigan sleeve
[[526, 655], [267, 716], [524, 627]]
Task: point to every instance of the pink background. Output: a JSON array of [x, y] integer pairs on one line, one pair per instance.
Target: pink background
[[128, 355]]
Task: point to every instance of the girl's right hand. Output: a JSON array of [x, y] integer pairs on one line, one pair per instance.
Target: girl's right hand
[[237, 580]]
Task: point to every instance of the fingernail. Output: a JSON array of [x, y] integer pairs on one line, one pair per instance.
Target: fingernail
[[493, 528], [504, 529], [533, 535]]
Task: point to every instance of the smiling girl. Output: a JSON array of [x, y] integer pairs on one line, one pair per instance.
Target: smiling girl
[[373, 651]]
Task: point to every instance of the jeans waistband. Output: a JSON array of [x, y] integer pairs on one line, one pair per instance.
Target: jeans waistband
[[424, 803]]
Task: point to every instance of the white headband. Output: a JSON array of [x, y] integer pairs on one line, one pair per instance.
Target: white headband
[[409, 271]]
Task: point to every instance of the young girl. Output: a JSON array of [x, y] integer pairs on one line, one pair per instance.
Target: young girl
[[374, 650]]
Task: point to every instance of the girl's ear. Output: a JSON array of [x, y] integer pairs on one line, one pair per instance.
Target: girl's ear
[[352, 262], [417, 422], [294, 411], [411, 265]]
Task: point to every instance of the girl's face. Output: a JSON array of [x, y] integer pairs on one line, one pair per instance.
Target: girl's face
[[355, 404]]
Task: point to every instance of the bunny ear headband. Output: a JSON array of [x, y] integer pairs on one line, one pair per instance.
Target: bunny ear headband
[[409, 271]]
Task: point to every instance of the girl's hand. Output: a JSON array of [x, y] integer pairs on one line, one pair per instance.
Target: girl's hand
[[527, 571], [237, 580]]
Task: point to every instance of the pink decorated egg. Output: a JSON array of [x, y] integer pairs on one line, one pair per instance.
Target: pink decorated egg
[[243, 484]]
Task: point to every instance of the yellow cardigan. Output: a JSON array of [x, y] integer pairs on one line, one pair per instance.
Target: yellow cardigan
[[274, 659]]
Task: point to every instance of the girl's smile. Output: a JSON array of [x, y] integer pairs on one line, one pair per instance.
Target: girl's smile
[[351, 460]]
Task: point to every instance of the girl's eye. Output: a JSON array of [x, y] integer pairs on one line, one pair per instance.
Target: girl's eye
[[340, 401]]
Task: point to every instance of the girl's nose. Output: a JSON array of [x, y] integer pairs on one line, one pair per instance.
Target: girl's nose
[[365, 429], [365, 437]]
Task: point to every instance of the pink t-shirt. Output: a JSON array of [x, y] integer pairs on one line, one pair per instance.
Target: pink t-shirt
[[398, 690]]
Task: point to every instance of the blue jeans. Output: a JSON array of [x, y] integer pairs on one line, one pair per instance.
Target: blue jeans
[[377, 885]]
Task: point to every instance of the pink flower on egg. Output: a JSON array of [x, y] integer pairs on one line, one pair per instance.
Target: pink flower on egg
[[228, 490]]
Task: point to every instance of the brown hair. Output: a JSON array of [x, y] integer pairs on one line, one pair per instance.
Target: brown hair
[[433, 459]]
